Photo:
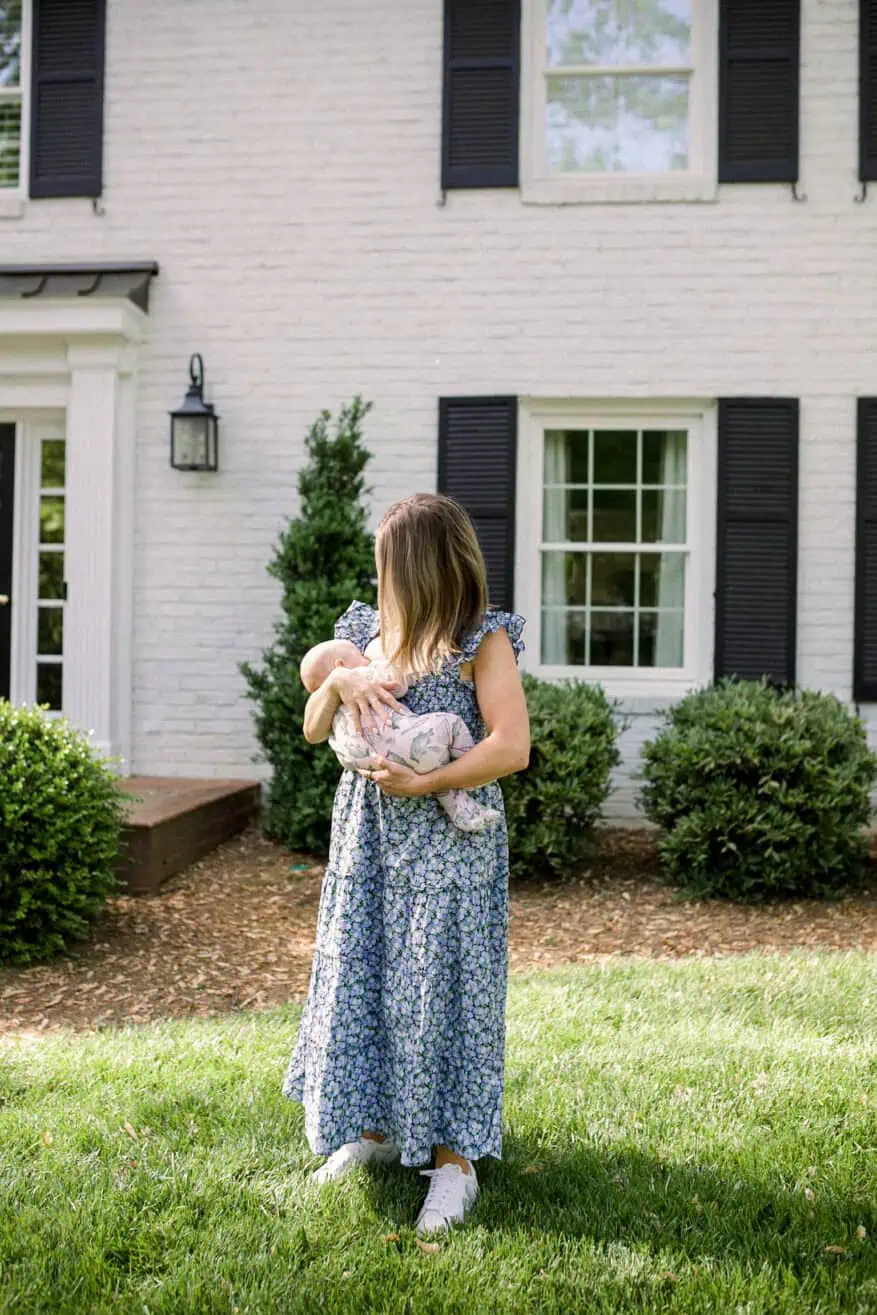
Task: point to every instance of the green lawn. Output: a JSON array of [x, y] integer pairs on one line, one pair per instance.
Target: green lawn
[[680, 1137]]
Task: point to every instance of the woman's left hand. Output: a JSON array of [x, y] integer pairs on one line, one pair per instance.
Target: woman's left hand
[[397, 780]]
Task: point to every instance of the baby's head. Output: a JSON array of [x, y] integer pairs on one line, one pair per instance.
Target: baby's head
[[319, 661]]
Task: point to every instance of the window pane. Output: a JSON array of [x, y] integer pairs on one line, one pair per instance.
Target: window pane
[[664, 456], [564, 578], [51, 584], [662, 579], [53, 462], [615, 456], [10, 143], [10, 43], [613, 579], [50, 632], [614, 516], [619, 32], [50, 685], [661, 636], [663, 516], [565, 517], [625, 124], [612, 639], [51, 520], [566, 456], [563, 638]]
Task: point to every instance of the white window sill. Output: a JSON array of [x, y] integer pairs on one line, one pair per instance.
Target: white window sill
[[640, 694], [11, 205], [618, 190]]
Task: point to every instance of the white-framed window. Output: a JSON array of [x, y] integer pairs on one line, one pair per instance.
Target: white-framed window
[[619, 100], [616, 542], [14, 98]]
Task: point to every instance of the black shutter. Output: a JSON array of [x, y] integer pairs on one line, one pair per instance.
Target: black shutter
[[865, 630], [757, 543], [7, 487], [759, 57], [477, 457], [481, 80], [66, 153], [868, 90]]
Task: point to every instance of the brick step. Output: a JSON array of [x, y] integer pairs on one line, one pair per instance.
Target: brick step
[[173, 822]]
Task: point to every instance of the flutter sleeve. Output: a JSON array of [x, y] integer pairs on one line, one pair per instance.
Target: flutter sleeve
[[358, 625], [511, 622]]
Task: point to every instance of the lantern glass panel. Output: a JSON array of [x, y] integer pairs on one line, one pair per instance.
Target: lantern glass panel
[[191, 441]]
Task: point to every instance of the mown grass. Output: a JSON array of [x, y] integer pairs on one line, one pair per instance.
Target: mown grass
[[684, 1137]]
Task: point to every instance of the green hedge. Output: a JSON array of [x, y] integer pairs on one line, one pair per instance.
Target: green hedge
[[553, 807], [760, 791], [61, 814]]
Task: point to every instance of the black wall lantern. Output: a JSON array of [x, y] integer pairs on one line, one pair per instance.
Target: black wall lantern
[[195, 426]]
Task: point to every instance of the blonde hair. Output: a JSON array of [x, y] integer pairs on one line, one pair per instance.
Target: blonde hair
[[432, 584]]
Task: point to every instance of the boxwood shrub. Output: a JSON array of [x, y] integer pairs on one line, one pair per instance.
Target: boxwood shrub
[[61, 814], [760, 791], [552, 807]]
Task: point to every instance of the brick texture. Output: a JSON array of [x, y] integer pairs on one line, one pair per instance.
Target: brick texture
[[282, 164]]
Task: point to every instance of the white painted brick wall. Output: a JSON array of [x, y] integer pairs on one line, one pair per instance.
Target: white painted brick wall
[[281, 161]]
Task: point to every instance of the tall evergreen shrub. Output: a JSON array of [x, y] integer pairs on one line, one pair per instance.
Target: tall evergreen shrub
[[323, 559]]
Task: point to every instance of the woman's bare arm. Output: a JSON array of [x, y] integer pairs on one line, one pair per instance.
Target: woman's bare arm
[[506, 747]]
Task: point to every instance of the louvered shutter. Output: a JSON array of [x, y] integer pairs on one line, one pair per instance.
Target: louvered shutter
[[66, 156], [477, 456], [7, 492], [868, 90], [757, 541], [759, 56], [481, 93], [865, 629]]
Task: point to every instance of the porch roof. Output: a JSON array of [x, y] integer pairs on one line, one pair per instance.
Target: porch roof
[[128, 281]]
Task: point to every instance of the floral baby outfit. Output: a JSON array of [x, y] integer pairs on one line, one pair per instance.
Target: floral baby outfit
[[403, 1031], [422, 743]]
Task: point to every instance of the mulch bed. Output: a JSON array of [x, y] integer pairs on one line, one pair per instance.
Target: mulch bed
[[236, 932]]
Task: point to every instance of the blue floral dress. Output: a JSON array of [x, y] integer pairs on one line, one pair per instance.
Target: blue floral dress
[[403, 1030]]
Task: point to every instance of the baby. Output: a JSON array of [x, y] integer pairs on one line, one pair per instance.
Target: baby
[[422, 743]]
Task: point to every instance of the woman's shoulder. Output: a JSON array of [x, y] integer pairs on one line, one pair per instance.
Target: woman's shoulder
[[492, 620], [359, 624]]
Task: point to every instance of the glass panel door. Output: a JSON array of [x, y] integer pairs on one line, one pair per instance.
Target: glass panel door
[[50, 574]]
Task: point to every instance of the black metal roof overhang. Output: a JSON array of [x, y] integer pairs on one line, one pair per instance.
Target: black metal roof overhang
[[119, 280]]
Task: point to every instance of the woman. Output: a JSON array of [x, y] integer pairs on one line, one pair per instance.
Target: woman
[[400, 1048]]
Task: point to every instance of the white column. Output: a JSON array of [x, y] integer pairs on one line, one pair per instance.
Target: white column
[[99, 509]]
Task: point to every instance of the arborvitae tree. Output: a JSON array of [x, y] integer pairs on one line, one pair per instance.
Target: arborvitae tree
[[323, 560]]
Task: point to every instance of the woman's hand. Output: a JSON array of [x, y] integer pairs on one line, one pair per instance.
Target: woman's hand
[[369, 702], [397, 780]]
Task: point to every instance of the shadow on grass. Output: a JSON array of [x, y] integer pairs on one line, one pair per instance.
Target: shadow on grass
[[640, 1201]]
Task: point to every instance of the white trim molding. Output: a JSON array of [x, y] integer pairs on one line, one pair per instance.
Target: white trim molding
[[57, 356], [697, 183], [26, 547], [698, 417]]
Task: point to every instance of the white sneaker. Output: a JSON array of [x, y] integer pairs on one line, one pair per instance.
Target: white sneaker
[[352, 1154], [450, 1195]]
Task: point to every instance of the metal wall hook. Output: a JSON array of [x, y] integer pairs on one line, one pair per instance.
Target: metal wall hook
[[796, 195], [862, 194]]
